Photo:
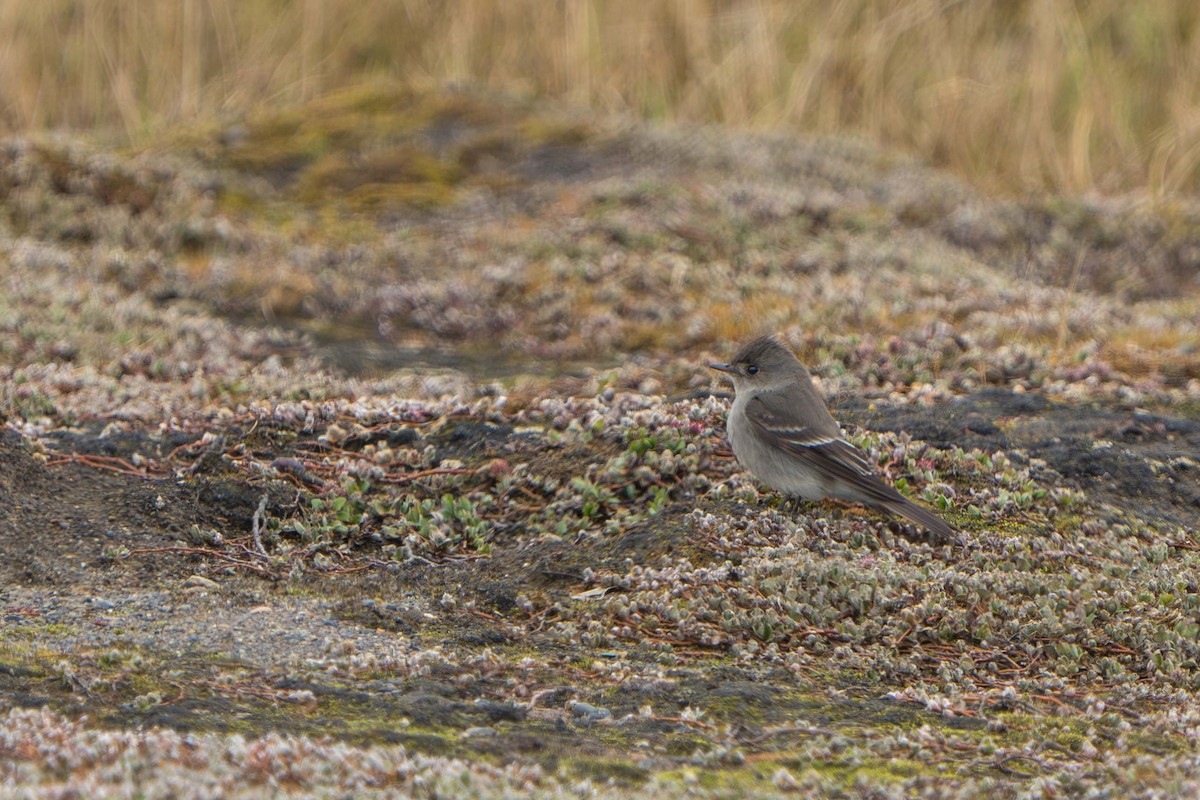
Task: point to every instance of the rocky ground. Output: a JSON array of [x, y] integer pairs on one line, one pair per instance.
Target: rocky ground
[[367, 450]]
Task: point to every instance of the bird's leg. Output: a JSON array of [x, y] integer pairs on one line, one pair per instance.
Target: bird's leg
[[794, 504]]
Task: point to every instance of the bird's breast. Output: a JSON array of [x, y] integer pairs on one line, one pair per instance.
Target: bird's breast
[[770, 464]]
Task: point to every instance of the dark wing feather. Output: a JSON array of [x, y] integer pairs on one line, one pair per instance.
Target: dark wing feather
[[820, 445]]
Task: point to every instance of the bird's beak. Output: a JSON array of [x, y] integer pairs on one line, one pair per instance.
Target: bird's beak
[[724, 368]]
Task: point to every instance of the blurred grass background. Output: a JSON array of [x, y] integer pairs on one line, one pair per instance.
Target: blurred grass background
[[1017, 96]]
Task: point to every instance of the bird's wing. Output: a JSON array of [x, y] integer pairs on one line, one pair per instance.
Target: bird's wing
[[804, 430], [818, 443]]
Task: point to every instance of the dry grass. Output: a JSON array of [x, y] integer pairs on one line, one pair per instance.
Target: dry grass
[[1053, 94]]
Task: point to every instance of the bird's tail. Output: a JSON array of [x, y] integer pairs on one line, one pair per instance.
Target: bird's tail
[[922, 516]]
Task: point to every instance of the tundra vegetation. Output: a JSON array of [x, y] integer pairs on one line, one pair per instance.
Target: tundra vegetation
[[362, 445]]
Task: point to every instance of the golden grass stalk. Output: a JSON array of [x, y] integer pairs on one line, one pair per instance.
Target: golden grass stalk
[[1033, 95]]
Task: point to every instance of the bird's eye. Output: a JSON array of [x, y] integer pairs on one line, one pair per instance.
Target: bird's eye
[[751, 370]]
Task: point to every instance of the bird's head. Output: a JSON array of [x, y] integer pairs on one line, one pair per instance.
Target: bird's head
[[762, 364]]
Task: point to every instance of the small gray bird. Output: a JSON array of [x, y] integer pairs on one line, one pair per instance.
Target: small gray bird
[[781, 431]]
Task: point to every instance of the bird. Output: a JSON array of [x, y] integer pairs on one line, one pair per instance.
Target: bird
[[781, 431]]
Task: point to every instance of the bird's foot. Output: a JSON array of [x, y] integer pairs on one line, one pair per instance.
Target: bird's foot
[[795, 505]]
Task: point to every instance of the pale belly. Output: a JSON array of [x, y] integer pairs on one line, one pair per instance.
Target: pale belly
[[774, 467]]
